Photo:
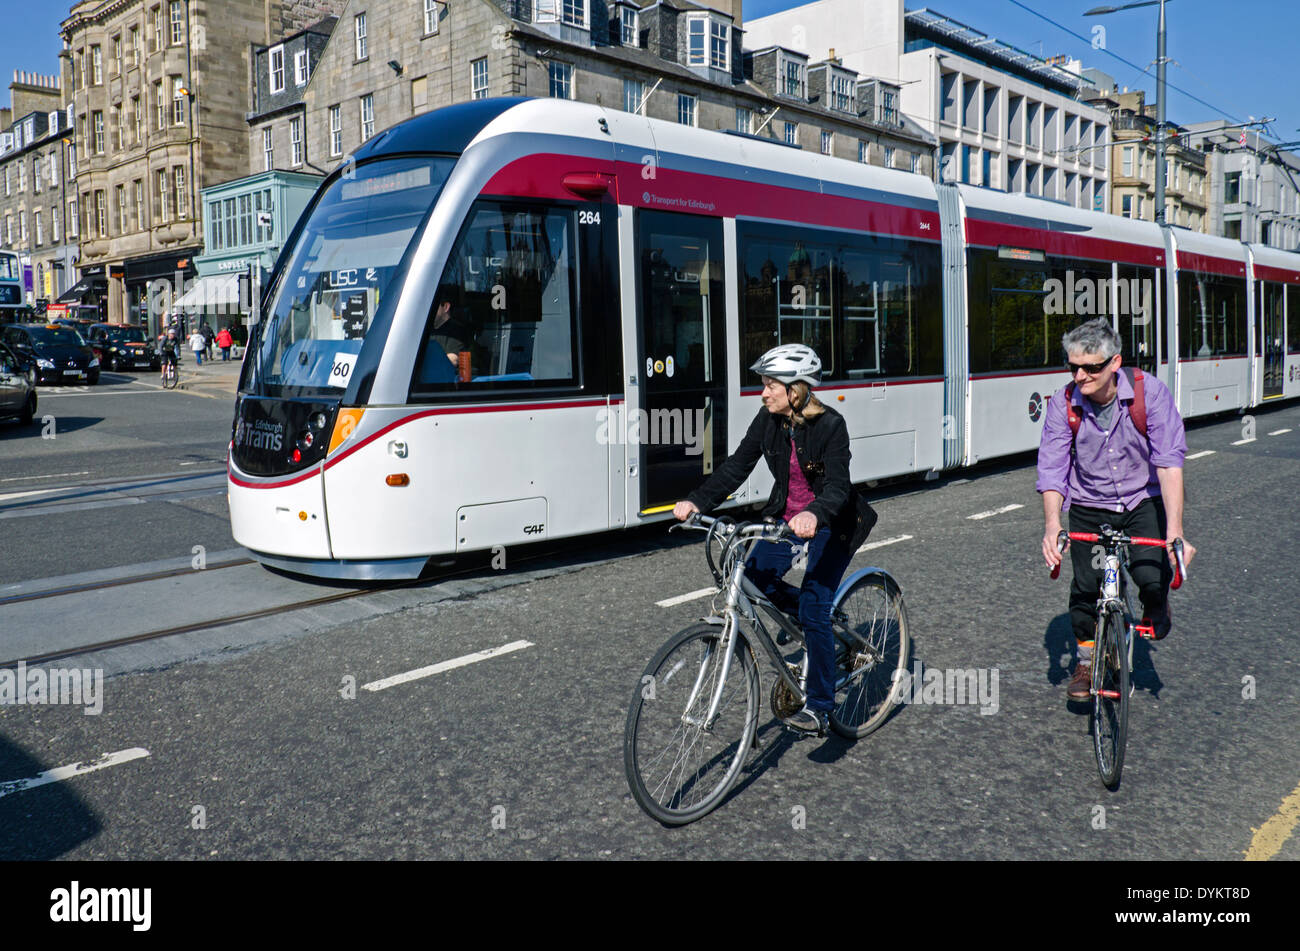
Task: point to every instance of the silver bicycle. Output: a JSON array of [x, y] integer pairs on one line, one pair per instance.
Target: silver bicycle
[[694, 711]]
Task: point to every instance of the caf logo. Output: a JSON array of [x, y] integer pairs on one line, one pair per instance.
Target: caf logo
[[1036, 407]]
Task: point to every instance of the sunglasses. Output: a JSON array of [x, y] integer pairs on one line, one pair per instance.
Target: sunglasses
[[1089, 368]]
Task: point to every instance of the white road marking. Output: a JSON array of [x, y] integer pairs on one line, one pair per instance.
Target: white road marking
[[1004, 509], [1201, 455], [149, 389], [1242, 442], [68, 772], [445, 665], [56, 475], [19, 495], [881, 544], [1280, 432], [683, 598]]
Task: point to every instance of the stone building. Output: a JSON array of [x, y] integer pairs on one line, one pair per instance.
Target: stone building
[[1133, 165], [1254, 187], [670, 59], [1004, 119], [159, 94], [37, 188]]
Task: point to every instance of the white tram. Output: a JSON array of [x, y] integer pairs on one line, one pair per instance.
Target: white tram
[[511, 320]]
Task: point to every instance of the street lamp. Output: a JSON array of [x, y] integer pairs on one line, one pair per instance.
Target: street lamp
[[1160, 93]]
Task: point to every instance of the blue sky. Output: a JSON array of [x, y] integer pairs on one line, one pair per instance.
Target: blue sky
[[1242, 64]]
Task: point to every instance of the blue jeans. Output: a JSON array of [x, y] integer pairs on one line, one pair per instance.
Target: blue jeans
[[827, 562]]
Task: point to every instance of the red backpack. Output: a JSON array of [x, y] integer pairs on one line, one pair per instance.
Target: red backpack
[[1137, 409]]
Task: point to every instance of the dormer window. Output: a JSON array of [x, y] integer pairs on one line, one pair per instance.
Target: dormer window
[[568, 12], [627, 26], [793, 77], [841, 92], [708, 42], [277, 69]]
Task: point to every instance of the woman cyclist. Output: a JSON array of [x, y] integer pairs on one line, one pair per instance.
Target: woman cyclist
[[806, 445]]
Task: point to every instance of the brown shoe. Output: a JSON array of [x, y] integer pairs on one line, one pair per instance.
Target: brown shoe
[[1081, 684]]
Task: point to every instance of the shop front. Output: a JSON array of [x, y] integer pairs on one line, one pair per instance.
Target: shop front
[[153, 284]]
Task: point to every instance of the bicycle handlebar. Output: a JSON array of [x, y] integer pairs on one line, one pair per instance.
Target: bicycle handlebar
[[1064, 538]]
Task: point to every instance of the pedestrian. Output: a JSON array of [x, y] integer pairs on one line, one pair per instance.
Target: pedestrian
[[198, 343], [225, 341], [206, 329]]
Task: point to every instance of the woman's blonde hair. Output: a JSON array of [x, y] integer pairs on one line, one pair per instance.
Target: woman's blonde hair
[[804, 403]]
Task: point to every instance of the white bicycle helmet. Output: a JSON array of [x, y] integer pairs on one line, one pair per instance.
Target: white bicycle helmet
[[790, 363]]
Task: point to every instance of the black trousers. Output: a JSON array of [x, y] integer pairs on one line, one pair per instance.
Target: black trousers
[[1149, 566]]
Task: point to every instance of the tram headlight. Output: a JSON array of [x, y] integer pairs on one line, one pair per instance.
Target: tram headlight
[[305, 439], [318, 421]]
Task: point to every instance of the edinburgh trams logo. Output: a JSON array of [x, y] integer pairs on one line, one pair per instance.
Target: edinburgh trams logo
[[1036, 403]]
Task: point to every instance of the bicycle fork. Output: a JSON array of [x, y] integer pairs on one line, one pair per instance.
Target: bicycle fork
[[1110, 595], [725, 644]]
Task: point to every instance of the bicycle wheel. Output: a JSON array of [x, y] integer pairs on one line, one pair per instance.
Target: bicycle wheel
[[679, 770], [1110, 684], [170, 377], [872, 645]]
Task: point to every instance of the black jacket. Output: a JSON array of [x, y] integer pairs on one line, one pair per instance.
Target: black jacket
[[822, 445]]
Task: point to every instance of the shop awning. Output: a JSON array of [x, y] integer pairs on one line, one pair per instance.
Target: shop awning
[[86, 287], [216, 291]]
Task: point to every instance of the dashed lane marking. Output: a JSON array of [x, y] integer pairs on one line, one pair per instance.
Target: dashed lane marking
[[446, 665], [1201, 455], [1280, 432], [883, 542], [1272, 835], [68, 772], [990, 514], [1243, 442], [683, 598]]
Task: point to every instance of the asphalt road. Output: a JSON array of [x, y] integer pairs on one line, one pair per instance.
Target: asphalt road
[[277, 751]]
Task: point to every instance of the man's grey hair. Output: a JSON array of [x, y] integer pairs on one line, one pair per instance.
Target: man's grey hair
[[1096, 336]]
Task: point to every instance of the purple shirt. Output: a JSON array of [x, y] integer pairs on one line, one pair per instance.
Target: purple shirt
[[1113, 469], [801, 494]]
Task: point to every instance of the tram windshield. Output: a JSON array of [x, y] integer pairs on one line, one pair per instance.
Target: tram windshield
[[339, 272]]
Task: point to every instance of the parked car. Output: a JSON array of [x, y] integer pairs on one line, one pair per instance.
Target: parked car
[[17, 386], [123, 347], [60, 353]]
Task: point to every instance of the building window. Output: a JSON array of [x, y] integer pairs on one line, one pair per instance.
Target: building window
[[54, 168], [178, 23], [215, 242], [827, 142], [277, 69], [54, 225], [864, 152], [7, 181], [544, 11], [794, 77], [888, 106], [359, 29], [36, 174], [160, 197], [73, 217], [889, 156], [295, 141], [40, 232], [430, 16], [101, 214], [301, 70], [268, 151], [137, 187], [336, 130], [22, 226], [121, 210], [22, 175], [160, 107], [96, 65], [1232, 188], [419, 92], [137, 119], [1126, 206], [97, 122], [574, 12], [367, 116], [633, 93], [841, 92], [178, 101], [182, 203], [1127, 166], [117, 128], [744, 120], [9, 230], [707, 42], [685, 109], [561, 80], [791, 133], [628, 33], [135, 46], [478, 78], [72, 161], [262, 203]]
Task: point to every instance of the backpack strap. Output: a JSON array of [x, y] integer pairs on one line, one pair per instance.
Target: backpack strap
[[1137, 409]]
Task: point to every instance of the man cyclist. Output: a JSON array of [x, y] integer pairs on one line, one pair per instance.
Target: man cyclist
[[806, 445], [1110, 472], [168, 349]]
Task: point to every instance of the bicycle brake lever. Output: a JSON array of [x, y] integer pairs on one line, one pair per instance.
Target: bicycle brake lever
[[1180, 565], [1062, 543]]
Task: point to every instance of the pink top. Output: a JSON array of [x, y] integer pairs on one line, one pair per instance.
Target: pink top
[[800, 495]]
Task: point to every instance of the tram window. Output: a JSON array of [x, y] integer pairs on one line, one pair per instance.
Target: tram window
[[1211, 315], [1293, 319], [787, 289], [892, 312], [503, 315], [1135, 305]]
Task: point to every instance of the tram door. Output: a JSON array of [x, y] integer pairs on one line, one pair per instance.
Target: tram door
[[1272, 339], [683, 352]]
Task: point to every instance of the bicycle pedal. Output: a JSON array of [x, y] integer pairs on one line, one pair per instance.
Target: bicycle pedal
[[1145, 630]]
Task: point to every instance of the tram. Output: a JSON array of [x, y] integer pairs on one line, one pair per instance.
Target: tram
[[12, 306], [518, 319]]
